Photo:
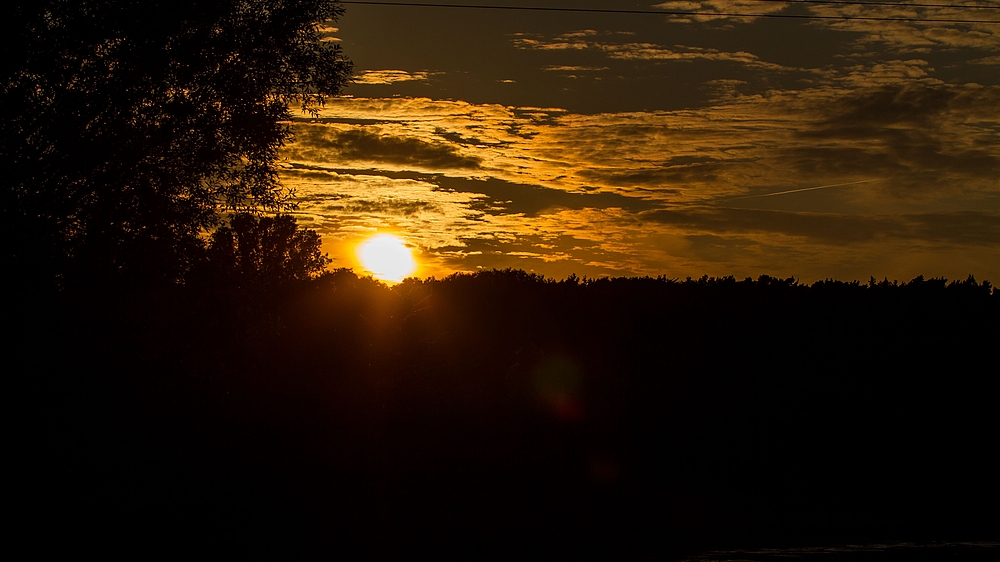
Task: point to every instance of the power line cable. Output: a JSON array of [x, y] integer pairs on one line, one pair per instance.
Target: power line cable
[[671, 13], [891, 4]]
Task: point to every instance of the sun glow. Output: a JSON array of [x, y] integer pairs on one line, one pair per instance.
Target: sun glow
[[386, 258]]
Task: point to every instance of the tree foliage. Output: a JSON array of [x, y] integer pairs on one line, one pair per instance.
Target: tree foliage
[[265, 252], [126, 127]]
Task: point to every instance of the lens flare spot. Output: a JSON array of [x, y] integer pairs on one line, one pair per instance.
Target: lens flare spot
[[557, 386], [386, 258]]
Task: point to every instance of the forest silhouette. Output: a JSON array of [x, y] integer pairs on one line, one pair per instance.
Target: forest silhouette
[[188, 376]]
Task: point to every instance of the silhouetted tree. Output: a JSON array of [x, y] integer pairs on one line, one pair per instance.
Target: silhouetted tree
[[126, 127], [266, 251]]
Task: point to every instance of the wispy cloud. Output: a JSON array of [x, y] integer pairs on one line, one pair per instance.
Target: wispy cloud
[[644, 52], [370, 77], [574, 68], [368, 144]]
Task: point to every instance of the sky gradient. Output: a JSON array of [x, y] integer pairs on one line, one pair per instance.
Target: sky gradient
[[626, 144]]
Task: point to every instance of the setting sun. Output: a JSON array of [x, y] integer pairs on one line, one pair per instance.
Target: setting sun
[[386, 257]]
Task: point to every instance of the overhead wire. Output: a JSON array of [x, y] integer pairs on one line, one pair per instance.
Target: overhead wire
[[875, 3], [680, 13]]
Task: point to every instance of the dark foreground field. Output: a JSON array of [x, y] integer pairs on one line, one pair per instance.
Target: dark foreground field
[[500, 414]]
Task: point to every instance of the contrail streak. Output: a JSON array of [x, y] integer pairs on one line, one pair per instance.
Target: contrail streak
[[800, 190]]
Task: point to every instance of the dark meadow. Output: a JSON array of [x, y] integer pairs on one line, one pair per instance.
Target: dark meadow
[[188, 376], [501, 412]]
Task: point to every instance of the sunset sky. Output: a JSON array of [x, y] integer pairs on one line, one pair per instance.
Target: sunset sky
[[646, 144]]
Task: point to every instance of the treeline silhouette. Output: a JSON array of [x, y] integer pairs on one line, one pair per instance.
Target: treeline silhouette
[[501, 413]]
